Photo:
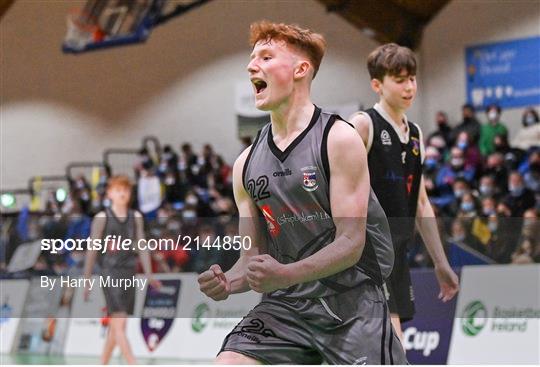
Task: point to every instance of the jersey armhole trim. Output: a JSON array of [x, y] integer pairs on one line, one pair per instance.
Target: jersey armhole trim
[[370, 134], [324, 146], [244, 169]]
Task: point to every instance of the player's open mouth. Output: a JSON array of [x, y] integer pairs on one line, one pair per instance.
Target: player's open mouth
[[260, 85]]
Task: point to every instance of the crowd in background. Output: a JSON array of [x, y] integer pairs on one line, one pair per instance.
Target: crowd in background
[[485, 192]]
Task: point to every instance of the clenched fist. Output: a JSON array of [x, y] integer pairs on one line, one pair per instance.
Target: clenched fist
[[265, 274], [214, 283]]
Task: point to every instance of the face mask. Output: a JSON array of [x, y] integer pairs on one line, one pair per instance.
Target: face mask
[[462, 145], [106, 203], [467, 206], [516, 190], [456, 162], [169, 180], [430, 163], [189, 214], [492, 115], [529, 222], [488, 212], [458, 238], [492, 227], [459, 193], [529, 120], [486, 190]]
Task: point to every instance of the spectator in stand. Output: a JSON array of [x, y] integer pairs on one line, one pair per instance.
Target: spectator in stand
[[148, 192], [489, 206], [438, 143], [169, 162], [455, 168], [468, 207], [529, 249], [513, 157], [188, 165], [530, 117], [471, 153], [496, 168], [143, 160], [469, 124], [519, 198], [174, 190], [490, 129], [487, 188], [529, 135], [443, 128], [431, 169]]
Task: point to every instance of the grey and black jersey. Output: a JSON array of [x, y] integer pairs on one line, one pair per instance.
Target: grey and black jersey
[[291, 189], [114, 259]]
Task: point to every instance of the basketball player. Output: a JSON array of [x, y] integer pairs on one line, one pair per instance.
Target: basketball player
[[118, 220], [306, 175], [395, 155]]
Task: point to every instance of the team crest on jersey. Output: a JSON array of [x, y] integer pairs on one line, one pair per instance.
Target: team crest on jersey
[[416, 146], [385, 138], [309, 182]]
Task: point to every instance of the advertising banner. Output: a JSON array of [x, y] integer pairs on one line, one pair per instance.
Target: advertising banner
[[497, 316], [506, 73], [427, 336]]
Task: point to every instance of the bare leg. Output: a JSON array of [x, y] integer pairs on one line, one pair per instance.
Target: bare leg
[[108, 348], [118, 325], [234, 358]]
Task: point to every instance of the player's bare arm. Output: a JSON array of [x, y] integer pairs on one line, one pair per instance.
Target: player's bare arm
[[214, 282], [427, 227], [361, 123], [349, 193]]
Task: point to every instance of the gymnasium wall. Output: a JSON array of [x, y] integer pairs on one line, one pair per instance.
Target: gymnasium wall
[[461, 24], [179, 86]]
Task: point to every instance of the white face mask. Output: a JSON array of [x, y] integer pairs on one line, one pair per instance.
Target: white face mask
[[529, 120], [492, 115]]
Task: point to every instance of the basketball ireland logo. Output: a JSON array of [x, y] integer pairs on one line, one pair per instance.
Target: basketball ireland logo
[[199, 319], [473, 318]]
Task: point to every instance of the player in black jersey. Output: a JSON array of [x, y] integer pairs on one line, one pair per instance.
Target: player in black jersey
[[318, 267], [395, 155]]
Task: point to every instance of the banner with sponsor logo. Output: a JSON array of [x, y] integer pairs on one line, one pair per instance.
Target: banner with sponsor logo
[[497, 316], [154, 331], [427, 337], [12, 296], [506, 73]]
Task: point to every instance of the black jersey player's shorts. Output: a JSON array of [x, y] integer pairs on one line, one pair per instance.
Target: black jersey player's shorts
[[398, 288], [349, 328]]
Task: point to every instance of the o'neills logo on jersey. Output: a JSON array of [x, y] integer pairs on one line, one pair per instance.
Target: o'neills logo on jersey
[[385, 138], [310, 178], [286, 172], [271, 222]]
